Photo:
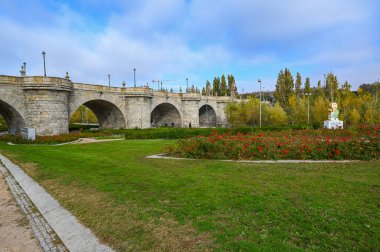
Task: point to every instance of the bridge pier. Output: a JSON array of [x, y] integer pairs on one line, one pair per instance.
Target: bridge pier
[[46, 101], [190, 109]]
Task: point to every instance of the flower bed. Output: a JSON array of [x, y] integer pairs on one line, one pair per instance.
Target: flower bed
[[356, 144]]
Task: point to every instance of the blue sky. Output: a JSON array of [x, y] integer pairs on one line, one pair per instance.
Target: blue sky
[[195, 39]]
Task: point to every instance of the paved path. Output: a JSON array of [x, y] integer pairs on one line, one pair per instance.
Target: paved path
[[74, 236]]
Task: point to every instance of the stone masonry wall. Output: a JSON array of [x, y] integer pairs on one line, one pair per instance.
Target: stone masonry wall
[[47, 111]]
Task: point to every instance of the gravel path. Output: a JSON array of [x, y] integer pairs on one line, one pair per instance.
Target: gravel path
[[55, 227], [15, 233], [47, 238]]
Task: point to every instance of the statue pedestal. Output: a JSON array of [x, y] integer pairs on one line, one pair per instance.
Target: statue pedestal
[[333, 124]]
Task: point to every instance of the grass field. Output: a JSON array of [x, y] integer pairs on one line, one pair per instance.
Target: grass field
[[134, 204]]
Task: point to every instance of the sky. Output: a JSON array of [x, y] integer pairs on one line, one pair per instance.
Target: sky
[[194, 39]]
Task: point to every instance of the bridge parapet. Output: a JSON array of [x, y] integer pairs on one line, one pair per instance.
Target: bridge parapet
[[6, 79], [191, 97], [138, 91], [49, 83], [97, 88]]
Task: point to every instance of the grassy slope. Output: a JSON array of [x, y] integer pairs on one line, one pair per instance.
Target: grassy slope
[[135, 203]]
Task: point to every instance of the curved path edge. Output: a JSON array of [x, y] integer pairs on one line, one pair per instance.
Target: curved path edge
[[74, 235], [284, 161]]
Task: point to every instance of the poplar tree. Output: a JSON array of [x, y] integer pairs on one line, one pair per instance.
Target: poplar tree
[[331, 88], [216, 87], [231, 81], [298, 85], [203, 91], [307, 85], [319, 88], [223, 86], [284, 87]]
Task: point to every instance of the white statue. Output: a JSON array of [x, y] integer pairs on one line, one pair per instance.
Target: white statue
[[333, 121]]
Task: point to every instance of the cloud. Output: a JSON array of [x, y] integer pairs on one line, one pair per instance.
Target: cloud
[[197, 39]]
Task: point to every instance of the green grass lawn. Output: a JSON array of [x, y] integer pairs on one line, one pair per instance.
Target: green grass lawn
[[134, 204]]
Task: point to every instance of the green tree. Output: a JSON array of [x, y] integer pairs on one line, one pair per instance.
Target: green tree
[[284, 87], [298, 85], [319, 89], [203, 91], [276, 115], [230, 85], [319, 111], [331, 88], [216, 87], [83, 115], [208, 88], [223, 86], [307, 85]]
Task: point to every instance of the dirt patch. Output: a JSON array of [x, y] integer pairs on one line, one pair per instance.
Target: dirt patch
[[15, 234]]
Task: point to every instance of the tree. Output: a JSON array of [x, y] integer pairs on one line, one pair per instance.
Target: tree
[[223, 86], [307, 85], [276, 115], [83, 115], [298, 85], [331, 88], [208, 88], [216, 87], [231, 84], [284, 87], [203, 91], [319, 89], [319, 111]]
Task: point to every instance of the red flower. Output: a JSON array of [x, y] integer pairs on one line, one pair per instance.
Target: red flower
[[330, 154], [319, 148], [260, 148], [285, 151], [337, 152]]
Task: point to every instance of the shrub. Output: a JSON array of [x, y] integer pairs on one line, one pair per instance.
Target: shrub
[[353, 144]]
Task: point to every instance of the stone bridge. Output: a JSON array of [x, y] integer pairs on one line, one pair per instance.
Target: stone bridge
[[47, 104]]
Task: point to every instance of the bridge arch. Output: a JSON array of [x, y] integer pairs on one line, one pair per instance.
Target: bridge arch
[[107, 113], [207, 116], [165, 114], [15, 121]]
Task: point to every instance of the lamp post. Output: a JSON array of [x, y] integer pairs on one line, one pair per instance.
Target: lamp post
[[308, 107], [109, 80], [43, 56], [134, 76], [187, 85], [260, 100]]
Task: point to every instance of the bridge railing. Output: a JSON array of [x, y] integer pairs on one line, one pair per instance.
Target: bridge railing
[[5, 79]]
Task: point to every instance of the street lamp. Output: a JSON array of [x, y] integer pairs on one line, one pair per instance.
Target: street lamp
[[43, 56], [259, 80], [308, 107], [109, 80], [134, 76], [187, 85]]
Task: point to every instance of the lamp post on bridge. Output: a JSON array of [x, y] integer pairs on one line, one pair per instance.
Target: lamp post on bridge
[[109, 80], [43, 56], [134, 76]]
